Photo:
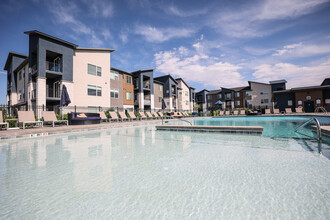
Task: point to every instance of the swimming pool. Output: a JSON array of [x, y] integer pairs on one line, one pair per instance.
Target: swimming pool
[[281, 126], [141, 173]]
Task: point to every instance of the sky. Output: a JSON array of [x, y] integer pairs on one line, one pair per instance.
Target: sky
[[210, 44]]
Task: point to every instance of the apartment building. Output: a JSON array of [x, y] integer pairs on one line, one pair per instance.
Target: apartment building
[[121, 89], [192, 99], [307, 98], [201, 100], [212, 97], [143, 81], [158, 94], [183, 96], [52, 63], [170, 92]]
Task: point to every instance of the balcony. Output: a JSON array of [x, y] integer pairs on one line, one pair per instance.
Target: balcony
[[53, 69], [146, 85], [33, 94], [34, 69], [147, 100], [53, 92]]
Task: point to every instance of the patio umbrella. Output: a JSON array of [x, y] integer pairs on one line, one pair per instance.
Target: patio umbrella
[[163, 105], [219, 103], [65, 99]]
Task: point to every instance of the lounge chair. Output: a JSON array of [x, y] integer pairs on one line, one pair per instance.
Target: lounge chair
[[155, 115], [288, 110], [221, 113], [186, 114], [299, 110], [132, 116], [27, 117], [252, 112], [123, 116], [49, 116], [143, 116], [103, 116], [235, 112], [176, 115], [242, 112], [163, 116], [114, 116], [267, 111], [276, 111], [149, 115], [6, 124]]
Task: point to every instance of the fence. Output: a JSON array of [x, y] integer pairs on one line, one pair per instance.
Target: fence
[[12, 110]]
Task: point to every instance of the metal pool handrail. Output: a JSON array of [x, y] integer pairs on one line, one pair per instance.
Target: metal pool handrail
[[185, 121], [318, 127]]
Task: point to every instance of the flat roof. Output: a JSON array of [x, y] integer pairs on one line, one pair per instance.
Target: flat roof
[[278, 81], [236, 89], [10, 55], [211, 92], [95, 49], [258, 83], [155, 81], [310, 87], [143, 70], [51, 37], [168, 75], [112, 68], [180, 79]]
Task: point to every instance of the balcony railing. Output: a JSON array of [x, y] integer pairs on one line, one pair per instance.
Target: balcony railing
[[147, 102], [55, 67], [33, 94], [146, 85], [34, 69]]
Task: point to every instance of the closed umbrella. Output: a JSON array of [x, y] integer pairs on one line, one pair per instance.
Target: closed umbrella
[[65, 99], [163, 108]]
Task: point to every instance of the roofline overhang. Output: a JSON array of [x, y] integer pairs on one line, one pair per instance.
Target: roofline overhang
[[51, 37], [10, 55]]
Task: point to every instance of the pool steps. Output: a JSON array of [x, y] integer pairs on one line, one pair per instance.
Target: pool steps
[[221, 129]]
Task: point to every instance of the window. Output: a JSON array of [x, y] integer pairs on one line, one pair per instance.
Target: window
[[249, 102], [187, 103], [318, 101], [114, 75], [208, 97], [94, 70], [209, 104], [308, 97], [180, 102], [160, 99], [219, 96], [19, 75], [94, 90], [99, 71], [264, 101], [23, 73], [186, 93], [238, 103], [248, 93], [264, 92], [20, 94], [161, 88], [128, 95], [228, 95], [237, 94], [180, 92], [299, 102], [128, 79], [114, 93], [228, 103], [289, 102]]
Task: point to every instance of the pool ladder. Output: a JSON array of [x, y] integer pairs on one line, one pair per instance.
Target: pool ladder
[[318, 127]]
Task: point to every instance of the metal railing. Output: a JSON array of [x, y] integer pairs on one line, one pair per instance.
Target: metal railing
[[318, 127]]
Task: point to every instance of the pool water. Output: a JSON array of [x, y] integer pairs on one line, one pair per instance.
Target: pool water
[[282, 126], [141, 173]]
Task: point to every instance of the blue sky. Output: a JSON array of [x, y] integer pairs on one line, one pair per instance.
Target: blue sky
[[210, 44]]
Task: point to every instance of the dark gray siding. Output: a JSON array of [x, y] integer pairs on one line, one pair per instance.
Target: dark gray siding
[[281, 100]]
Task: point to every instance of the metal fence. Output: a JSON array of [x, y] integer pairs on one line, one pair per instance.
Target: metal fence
[[12, 110]]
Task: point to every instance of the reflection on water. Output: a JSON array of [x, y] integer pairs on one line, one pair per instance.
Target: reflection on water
[[143, 173]]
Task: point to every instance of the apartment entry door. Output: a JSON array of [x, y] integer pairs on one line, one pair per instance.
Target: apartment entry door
[[309, 106]]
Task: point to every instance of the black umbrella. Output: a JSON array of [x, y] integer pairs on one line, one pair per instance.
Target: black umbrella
[[65, 99], [163, 104]]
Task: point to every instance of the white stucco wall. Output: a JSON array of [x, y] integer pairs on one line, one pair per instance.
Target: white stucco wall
[[184, 98], [81, 78], [256, 96]]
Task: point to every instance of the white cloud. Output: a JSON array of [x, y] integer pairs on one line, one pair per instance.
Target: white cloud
[[302, 50], [157, 35], [193, 67], [250, 20], [287, 49], [173, 10], [295, 75], [3, 73], [101, 7]]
